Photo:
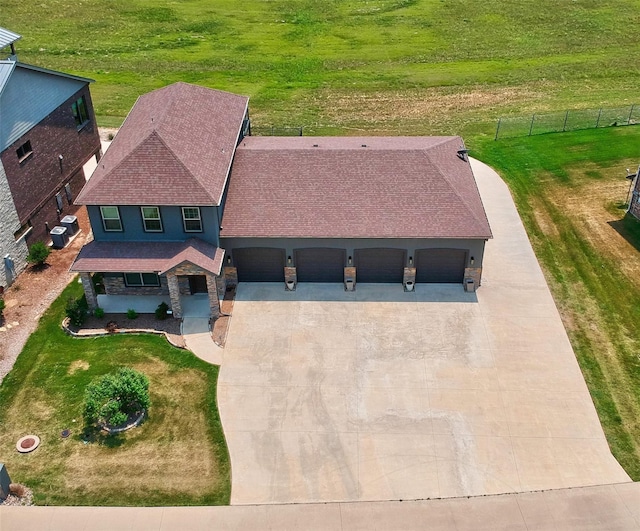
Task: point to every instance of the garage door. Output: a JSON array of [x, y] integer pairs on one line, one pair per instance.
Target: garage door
[[380, 265], [440, 265], [259, 264], [320, 264]]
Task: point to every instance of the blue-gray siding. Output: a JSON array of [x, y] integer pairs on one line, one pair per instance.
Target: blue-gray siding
[[173, 229]]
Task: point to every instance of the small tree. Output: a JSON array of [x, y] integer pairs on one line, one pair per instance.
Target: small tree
[[38, 254], [111, 398]]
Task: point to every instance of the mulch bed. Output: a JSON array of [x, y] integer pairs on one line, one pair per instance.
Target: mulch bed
[[144, 322], [221, 326]]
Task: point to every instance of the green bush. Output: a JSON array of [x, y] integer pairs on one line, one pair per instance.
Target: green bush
[[38, 253], [161, 311], [111, 398], [132, 314], [77, 310], [1, 307], [98, 312]]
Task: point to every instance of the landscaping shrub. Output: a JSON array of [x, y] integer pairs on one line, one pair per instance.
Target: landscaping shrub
[[161, 311], [98, 312], [111, 398], [132, 314], [77, 310], [1, 307], [38, 253]]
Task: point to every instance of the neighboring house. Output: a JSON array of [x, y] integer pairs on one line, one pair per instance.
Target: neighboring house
[[184, 200], [47, 133], [634, 202]]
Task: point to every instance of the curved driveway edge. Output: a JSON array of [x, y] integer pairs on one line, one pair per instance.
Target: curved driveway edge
[[380, 394]]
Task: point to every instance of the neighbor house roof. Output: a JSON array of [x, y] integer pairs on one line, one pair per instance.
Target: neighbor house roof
[[156, 257], [348, 187], [174, 148], [8, 37]]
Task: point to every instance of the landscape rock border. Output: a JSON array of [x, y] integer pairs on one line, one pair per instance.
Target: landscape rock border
[[68, 331], [119, 429]]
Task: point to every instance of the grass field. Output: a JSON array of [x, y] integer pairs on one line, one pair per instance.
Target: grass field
[[347, 66], [178, 456], [570, 189]]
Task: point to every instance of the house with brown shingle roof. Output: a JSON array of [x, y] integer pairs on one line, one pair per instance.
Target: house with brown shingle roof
[[186, 200]]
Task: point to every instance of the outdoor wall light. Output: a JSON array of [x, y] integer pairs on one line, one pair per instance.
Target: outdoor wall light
[[350, 261], [289, 260], [472, 260], [411, 260]]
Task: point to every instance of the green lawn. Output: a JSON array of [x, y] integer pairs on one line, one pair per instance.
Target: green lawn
[[178, 456], [411, 66], [569, 189]]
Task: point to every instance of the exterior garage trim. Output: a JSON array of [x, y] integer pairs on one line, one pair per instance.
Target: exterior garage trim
[[259, 264], [441, 265], [318, 264], [380, 264]]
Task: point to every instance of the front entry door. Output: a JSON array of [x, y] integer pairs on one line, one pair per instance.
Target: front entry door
[[198, 284]]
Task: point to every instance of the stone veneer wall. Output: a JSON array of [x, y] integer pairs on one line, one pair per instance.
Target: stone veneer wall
[[116, 286], [9, 224]]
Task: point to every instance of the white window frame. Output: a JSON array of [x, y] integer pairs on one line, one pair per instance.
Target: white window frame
[[145, 219], [184, 219], [105, 219], [142, 284]]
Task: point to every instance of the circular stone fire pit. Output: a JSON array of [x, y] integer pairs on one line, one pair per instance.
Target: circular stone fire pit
[[27, 444]]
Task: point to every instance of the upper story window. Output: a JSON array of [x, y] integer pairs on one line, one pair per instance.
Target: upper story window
[[24, 151], [191, 219], [80, 111], [111, 218], [151, 219]]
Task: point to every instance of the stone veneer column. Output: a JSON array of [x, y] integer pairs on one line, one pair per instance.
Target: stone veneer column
[[409, 276], [89, 290], [474, 273], [174, 294], [290, 275], [214, 301], [350, 274]]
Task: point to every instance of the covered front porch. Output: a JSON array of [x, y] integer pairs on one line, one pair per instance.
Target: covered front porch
[[196, 305], [141, 275]]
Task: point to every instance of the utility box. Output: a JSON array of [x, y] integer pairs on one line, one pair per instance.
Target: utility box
[[59, 237], [71, 224], [469, 285], [5, 481]]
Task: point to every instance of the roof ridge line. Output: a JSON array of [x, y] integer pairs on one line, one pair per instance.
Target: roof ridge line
[[177, 159]]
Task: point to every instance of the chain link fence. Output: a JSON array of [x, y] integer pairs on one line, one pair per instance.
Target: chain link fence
[[573, 120]]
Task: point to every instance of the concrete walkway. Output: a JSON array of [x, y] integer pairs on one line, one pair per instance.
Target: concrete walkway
[[611, 507], [197, 336]]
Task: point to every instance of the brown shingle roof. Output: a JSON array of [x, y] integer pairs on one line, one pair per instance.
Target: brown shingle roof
[[153, 257], [174, 148], [333, 187]]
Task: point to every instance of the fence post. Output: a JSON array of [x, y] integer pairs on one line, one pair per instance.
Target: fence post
[[630, 114], [564, 126], [531, 126], [497, 129], [598, 121]]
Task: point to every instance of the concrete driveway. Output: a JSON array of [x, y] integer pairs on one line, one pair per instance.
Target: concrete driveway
[[385, 395]]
